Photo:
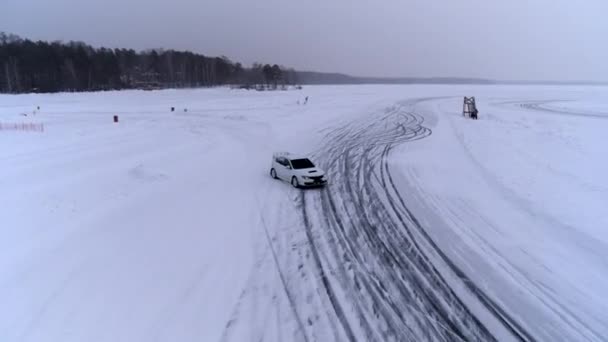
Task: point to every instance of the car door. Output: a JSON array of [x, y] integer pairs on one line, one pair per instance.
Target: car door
[[288, 171], [282, 171]]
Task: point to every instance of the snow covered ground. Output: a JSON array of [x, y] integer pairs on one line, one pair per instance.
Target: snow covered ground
[[167, 227]]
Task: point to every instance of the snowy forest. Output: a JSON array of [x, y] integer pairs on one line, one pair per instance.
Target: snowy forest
[[27, 66]]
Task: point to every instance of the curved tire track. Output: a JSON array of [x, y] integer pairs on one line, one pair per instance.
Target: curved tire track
[[375, 251]]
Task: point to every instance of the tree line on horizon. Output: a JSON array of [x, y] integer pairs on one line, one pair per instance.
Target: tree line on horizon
[[47, 67]]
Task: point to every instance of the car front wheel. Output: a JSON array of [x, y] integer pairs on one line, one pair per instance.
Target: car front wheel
[[294, 182], [273, 173]]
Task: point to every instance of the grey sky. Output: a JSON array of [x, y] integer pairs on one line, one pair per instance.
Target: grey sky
[[515, 39]]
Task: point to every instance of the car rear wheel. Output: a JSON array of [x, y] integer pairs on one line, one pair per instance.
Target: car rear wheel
[[294, 182], [273, 173]]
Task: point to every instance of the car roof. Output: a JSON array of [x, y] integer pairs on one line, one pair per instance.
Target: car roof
[[290, 156]]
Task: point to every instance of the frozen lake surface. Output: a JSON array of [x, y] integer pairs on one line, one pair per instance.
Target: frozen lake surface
[[167, 227]]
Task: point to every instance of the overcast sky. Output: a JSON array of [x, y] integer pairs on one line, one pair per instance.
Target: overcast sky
[[510, 40]]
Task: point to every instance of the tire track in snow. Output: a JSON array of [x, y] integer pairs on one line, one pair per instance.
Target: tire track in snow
[[541, 106], [385, 261], [327, 286], [292, 304]]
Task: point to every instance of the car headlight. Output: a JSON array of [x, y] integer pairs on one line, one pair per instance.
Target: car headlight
[[306, 177]]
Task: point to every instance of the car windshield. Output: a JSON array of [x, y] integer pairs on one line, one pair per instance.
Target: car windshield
[[302, 164]]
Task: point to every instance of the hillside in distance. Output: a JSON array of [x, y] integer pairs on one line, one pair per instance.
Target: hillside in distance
[[312, 77], [327, 78]]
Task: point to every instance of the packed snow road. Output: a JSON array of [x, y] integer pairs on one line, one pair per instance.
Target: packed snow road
[[167, 227]]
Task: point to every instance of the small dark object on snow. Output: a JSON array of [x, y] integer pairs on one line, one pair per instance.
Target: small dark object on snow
[[115, 118], [173, 109], [185, 110], [470, 108], [38, 107]]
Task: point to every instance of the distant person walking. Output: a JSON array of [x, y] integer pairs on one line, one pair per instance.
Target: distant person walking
[[306, 100]]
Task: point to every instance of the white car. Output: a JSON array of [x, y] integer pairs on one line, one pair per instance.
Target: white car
[[299, 171]]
